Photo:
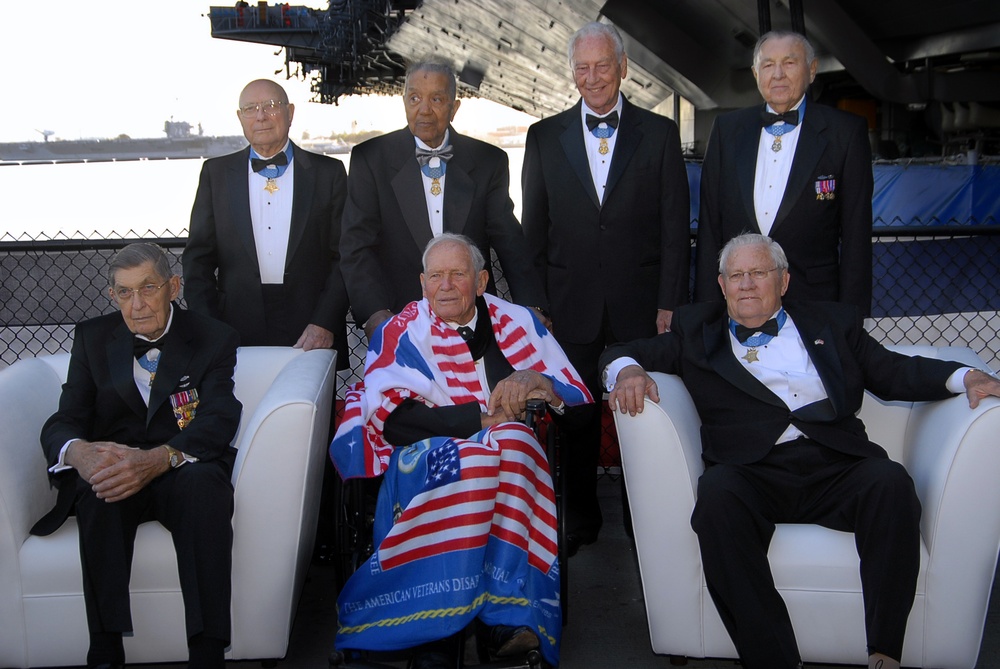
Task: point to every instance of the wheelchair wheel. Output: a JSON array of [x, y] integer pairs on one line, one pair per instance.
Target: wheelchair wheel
[[354, 503]]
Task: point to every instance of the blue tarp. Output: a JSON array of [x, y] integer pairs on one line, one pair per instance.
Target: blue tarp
[[919, 194], [936, 195], [928, 276]]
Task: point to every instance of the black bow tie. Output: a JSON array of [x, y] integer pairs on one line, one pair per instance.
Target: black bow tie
[[594, 121], [259, 164], [791, 117], [424, 155], [466, 332], [743, 333], [141, 346]]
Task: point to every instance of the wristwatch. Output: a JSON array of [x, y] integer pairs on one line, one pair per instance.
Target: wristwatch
[[173, 456]]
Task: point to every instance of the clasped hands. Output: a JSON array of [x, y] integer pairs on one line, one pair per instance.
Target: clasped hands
[[509, 397], [115, 471]]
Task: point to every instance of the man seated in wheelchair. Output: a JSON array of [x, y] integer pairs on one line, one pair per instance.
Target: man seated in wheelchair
[[466, 520]]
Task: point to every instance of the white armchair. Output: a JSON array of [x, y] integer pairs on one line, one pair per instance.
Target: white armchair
[[953, 455], [287, 397]]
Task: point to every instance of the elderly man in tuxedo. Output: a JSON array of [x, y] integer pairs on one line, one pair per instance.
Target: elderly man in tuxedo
[[417, 182], [143, 432], [263, 244], [263, 249], [606, 214], [795, 170], [777, 386]]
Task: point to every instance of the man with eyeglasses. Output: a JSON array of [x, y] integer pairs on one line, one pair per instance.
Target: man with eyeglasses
[[777, 386], [143, 432], [262, 251]]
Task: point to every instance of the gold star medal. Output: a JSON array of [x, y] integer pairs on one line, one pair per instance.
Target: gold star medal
[[271, 186], [435, 186], [751, 356], [603, 148]]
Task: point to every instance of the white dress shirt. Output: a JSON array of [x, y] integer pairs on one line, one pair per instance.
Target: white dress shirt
[[435, 203], [271, 216], [599, 164], [772, 171]]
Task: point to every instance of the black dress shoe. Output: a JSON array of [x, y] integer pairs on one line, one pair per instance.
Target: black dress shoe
[[432, 660], [507, 641], [574, 541]]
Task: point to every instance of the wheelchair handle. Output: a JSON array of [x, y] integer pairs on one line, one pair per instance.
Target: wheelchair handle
[[534, 409]]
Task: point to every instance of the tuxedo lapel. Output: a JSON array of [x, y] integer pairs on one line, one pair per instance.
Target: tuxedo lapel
[[459, 186], [808, 151], [576, 153], [819, 340], [719, 353], [239, 204], [746, 161], [121, 366], [305, 185], [629, 139], [408, 187], [175, 361]]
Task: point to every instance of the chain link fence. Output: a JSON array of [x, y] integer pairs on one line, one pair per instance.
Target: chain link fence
[[932, 286]]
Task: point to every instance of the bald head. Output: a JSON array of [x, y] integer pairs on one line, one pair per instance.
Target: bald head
[[266, 116]]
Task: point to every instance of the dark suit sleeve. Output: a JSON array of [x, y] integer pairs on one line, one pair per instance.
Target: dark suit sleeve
[[535, 206], [655, 354], [895, 376], [414, 421], [332, 303], [508, 240], [856, 220], [706, 274], [675, 226], [360, 233], [74, 418], [200, 258]]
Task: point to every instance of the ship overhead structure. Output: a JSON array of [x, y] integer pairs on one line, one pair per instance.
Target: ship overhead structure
[[924, 73], [343, 46]]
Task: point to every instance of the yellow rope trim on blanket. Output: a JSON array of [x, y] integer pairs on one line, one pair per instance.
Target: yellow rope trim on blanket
[[448, 612]]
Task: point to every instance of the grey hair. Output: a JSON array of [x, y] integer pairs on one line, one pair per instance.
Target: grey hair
[[478, 261], [594, 29], [781, 34], [138, 254], [434, 65], [752, 239]]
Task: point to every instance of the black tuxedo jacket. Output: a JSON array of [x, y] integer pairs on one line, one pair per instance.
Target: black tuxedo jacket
[[386, 227], [631, 253], [220, 239], [100, 402], [828, 241], [742, 419]]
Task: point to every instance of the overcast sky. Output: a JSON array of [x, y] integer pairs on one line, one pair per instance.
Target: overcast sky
[[100, 69]]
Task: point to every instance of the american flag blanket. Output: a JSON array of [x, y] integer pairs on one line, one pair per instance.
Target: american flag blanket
[[464, 528]]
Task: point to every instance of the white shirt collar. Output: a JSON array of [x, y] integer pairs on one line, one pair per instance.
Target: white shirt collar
[[423, 145], [584, 109]]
